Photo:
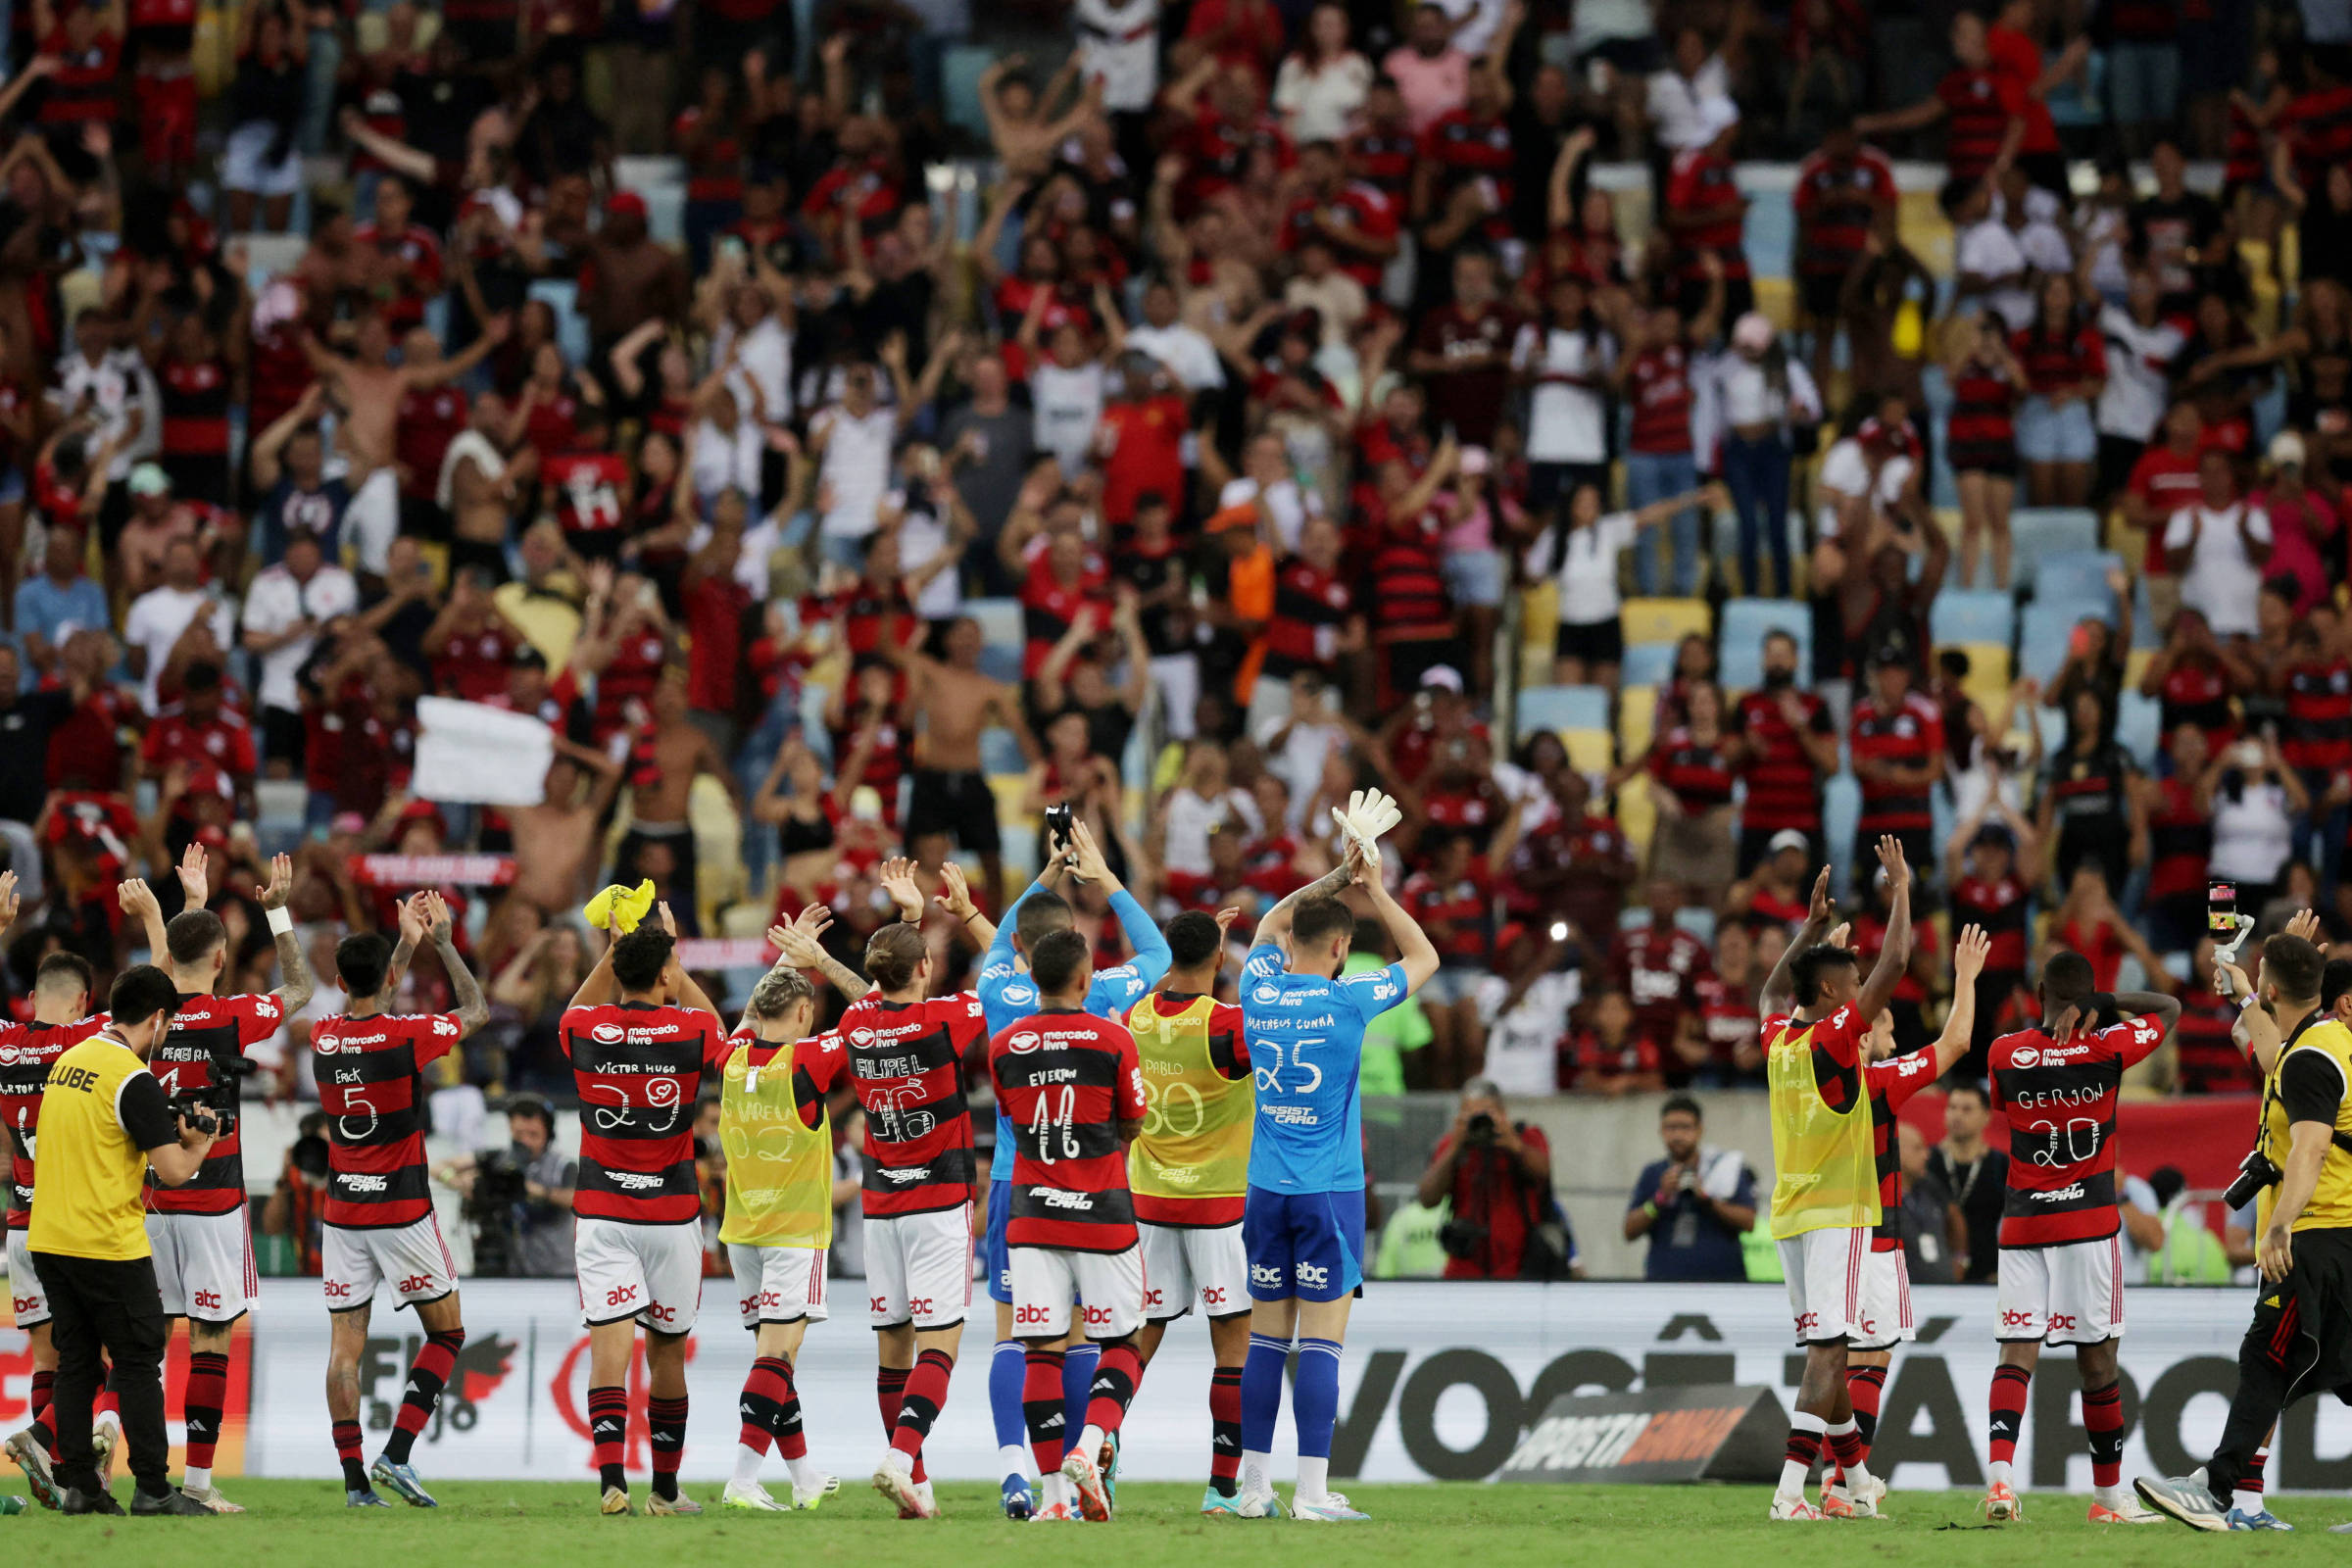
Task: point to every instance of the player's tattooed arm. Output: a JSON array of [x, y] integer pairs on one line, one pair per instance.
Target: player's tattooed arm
[[798, 947], [1276, 923], [414, 925], [294, 994], [137, 899], [1778, 987], [473, 1011]]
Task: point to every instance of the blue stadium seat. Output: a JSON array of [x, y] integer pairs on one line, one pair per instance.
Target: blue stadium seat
[[1001, 636], [1841, 815], [1647, 664], [2075, 577], [2139, 728], [2042, 638], [1562, 707], [1745, 622], [562, 296], [999, 753], [2042, 532], [1972, 616]]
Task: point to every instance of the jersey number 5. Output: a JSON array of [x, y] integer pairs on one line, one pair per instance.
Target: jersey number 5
[[1305, 1076]]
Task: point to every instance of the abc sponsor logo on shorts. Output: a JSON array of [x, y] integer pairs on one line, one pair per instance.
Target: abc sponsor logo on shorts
[[1313, 1276], [2011, 1319], [2060, 1323], [414, 1283], [1807, 1322], [1096, 1317], [1152, 1298], [1033, 1314], [620, 1295], [338, 1290], [1263, 1274], [1211, 1296], [661, 1314], [208, 1301], [23, 1305], [877, 1305], [920, 1305]]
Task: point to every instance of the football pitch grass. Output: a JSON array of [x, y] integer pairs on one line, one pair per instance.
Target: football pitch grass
[[549, 1525]]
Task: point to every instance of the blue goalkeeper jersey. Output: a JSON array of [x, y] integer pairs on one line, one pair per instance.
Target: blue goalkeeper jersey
[[1008, 995], [1306, 1042]]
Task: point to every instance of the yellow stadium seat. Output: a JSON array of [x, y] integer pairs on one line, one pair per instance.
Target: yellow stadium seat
[[2136, 665], [1776, 297], [1665, 621], [1637, 815], [1539, 615], [1987, 683], [1636, 716], [1589, 751], [1924, 230]]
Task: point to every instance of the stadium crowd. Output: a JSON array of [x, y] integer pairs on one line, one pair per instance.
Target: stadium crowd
[[849, 451]]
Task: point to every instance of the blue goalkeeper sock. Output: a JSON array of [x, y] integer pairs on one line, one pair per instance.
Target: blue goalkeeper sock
[[1316, 1400], [1006, 1367], [1078, 1364], [1261, 1398]]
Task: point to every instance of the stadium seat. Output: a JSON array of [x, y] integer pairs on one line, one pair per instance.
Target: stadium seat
[[1665, 621], [562, 296], [1638, 816], [1562, 707], [1637, 719], [1647, 664], [2046, 630], [1745, 622], [1589, 751], [1001, 636], [2140, 727], [2041, 531], [1971, 615], [1841, 815], [1987, 683], [999, 753], [2075, 577]]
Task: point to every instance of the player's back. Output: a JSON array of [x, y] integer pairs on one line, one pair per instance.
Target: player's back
[[208, 1034], [368, 1073], [906, 1065], [638, 1069], [1008, 995], [1190, 1164], [2060, 1103], [26, 1052], [1067, 1080], [1305, 1037]]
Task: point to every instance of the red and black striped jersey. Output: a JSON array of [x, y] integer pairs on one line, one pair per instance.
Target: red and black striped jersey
[[1359, 205], [1727, 1017], [1065, 1081], [821, 1065], [1661, 386], [2241, 148], [1311, 608], [1836, 1043], [2059, 1101], [903, 1064], [1461, 911], [1464, 148], [431, 419], [2318, 716], [1983, 409], [587, 489], [1977, 108], [371, 1085], [2000, 908], [639, 1070], [81, 90], [1699, 772], [1385, 159], [2180, 841], [1408, 583], [208, 1031], [1700, 182], [2208, 1059], [1909, 734], [195, 397], [1784, 788], [1869, 937], [1836, 201], [2059, 364], [2197, 692], [1889, 1084], [26, 1050], [1658, 968], [2317, 128]]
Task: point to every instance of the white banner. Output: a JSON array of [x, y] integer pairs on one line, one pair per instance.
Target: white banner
[[476, 754], [1437, 1382]]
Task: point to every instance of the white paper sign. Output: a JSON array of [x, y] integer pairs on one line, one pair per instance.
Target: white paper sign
[[473, 753]]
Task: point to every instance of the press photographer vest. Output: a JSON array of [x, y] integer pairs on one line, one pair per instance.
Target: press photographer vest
[[779, 1169], [1196, 1139], [88, 1182], [2330, 1206], [1825, 1169]]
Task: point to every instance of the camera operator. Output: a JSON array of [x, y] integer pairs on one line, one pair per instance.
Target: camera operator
[[2300, 1176], [1497, 1173], [104, 1122], [1694, 1204], [518, 1199]]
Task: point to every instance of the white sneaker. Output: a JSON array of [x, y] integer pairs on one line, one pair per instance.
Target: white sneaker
[[1259, 1502], [1792, 1509], [899, 1489], [1333, 1509], [815, 1492], [104, 1438], [750, 1494], [2124, 1512], [210, 1498], [1085, 1477]]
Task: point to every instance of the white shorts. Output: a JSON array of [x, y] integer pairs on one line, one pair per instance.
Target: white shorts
[[1184, 1263], [2072, 1294], [372, 520], [30, 1301], [652, 1273], [918, 1268], [779, 1284], [412, 1258], [203, 1265], [1886, 1317], [1109, 1286], [245, 163], [1824, 1269]]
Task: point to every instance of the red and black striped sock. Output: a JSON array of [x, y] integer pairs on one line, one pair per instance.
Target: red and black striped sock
[[1866, 1387], [207, 1392], [2251, 1481], [2009, 1385], [926, 1393], [761, 1404], [1115, 1378], [790, 1442], [1044, 1410], [665, 1427], [347, 1450], [429, 1375], [890, 1392], [42, 1385], [2103, 1420], [1224, 1428], [608, 1432], [1804, 1445]]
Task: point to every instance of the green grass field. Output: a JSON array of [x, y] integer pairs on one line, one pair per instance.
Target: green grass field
[[1498, 1526]]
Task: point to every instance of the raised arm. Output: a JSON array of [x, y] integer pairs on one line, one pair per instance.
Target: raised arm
[[1894, 955], [799, 945], [1414, 950], [1778, 987], [473, 1011], [295, 990], [1968, 963]]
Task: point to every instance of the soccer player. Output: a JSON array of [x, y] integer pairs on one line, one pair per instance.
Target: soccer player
[[199, 1233], [779, 1214], [638, 1033], [1189, 1168], [1890, 1081], [1303, 1222], [2061, 1274], [1069, 1083], [379, 1226], [1825, 1197], [905, 1050], [1006, 996]]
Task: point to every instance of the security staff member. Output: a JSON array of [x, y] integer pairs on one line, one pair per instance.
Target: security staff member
[[104, 1121], [2301, 1339]]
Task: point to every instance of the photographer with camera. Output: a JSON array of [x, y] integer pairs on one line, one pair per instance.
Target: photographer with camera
[[1694, 1204], [105, 1121], [2300, 1175], [1496, 1172], [518, 1199]]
